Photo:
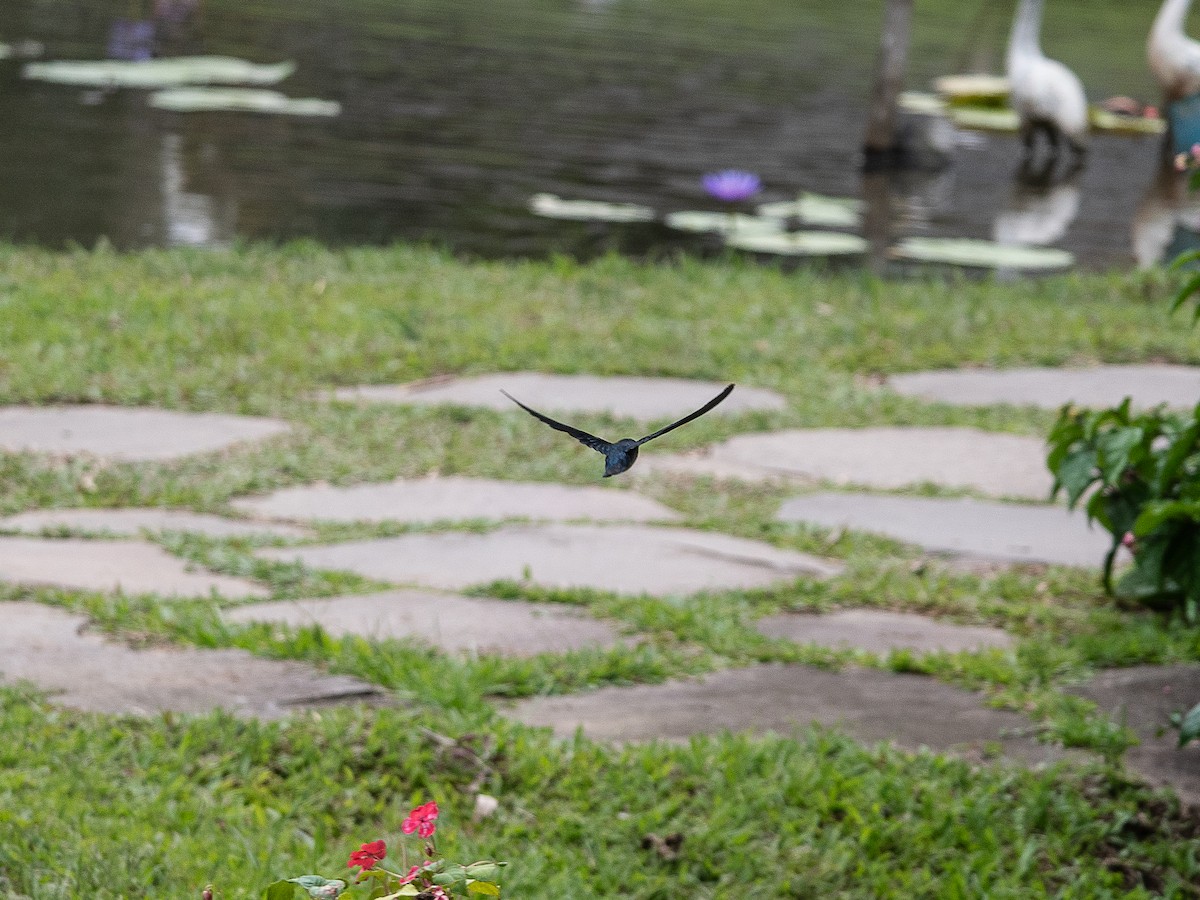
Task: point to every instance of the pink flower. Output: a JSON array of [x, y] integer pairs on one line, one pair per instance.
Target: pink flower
[[421, 820], [412, 873], [368, 855], [1129, 540]]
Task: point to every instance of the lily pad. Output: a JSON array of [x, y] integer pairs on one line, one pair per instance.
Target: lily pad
[[813, 209], [984, 118], [799, 243], [555, 207], [1103, 120], [976, 88], [981, 254], [206, 99], [158, 73], [701, 221], [921, 103]]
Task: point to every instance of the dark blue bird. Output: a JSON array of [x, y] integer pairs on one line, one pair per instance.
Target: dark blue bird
[[621, 455]]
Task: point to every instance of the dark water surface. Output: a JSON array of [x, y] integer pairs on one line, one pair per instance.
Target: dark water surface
[[455, 112]]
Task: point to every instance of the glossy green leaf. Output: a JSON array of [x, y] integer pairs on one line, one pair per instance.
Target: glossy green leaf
[[1189, 726], [485, 888]]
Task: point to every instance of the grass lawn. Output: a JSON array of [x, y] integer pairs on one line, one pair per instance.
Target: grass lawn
[[91, 806]]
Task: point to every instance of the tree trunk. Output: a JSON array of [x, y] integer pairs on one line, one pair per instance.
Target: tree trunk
[[881, 145]]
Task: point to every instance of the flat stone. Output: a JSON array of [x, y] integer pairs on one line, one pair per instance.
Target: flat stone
[[51, 648], [881, 631], [1143, 697], [632, 559], [132, 522], [1098, 386], [433, 499], [963, 527], [126, 434], [451, 622], [134, 567], [1004, 465], [912, 711], [618, 395]]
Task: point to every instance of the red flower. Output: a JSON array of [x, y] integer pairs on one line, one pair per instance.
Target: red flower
[[421, 820], [412, 873], [368, 855]]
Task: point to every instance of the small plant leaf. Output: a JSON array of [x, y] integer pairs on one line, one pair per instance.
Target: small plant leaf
[[1189, 728], [483, 887], [320, 887], [280, 890]]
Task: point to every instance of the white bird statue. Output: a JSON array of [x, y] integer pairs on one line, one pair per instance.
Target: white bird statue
[[1047, 96], [1174, 57]]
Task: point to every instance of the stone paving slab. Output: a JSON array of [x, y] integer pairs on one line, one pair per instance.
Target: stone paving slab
[[619, 395], [911, 710], [963, 527], [1002, 465], [132, 522], [134, 567], [632, 559], [1143, 697], [51, 648], [434, 499], [126, 434], [881, 631], [1098, 386], [454, 623]]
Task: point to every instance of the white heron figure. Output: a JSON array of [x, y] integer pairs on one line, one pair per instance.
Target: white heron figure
[[1173, 56], [1047, 96]]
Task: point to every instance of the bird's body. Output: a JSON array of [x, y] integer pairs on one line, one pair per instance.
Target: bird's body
[[619, 456], [1046, 95], [1174, 57]]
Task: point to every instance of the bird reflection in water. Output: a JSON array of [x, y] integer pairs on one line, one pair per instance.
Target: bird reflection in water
[[1167, 220], [1043, 204]]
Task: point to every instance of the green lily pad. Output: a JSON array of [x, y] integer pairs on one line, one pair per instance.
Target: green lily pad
[[158, 73], [921, 103], [701, 221], [984, 118], [554, 207], [799, 243], [813, 209], [1103, 120], [205, 99], [981, 254], [976, 88]]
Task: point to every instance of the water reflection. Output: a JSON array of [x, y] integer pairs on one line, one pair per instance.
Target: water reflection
[[1167, 220], [455, 113], [1043, 204]]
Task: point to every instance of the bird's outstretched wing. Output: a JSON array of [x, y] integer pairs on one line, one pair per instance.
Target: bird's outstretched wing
[[697, 414], [589, 440]]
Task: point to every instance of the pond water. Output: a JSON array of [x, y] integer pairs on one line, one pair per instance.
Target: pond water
[[456, 112]]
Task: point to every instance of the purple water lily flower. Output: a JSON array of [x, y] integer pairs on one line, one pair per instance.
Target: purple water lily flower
[[732, 185]]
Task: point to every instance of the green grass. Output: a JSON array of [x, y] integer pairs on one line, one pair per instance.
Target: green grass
[[97, 807]]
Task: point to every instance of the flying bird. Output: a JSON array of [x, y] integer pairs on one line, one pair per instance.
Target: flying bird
[[619, 456]]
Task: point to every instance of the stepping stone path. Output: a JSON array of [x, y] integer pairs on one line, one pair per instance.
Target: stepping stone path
[[912, 710], [1100, 386], [126, 434], [451, 622], [973, 528], [1002, 465], [134, 567], [881, 631], [433, 499], [1143, 697], [627, 396], [132, 522], [87, 671], [631, 559]]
